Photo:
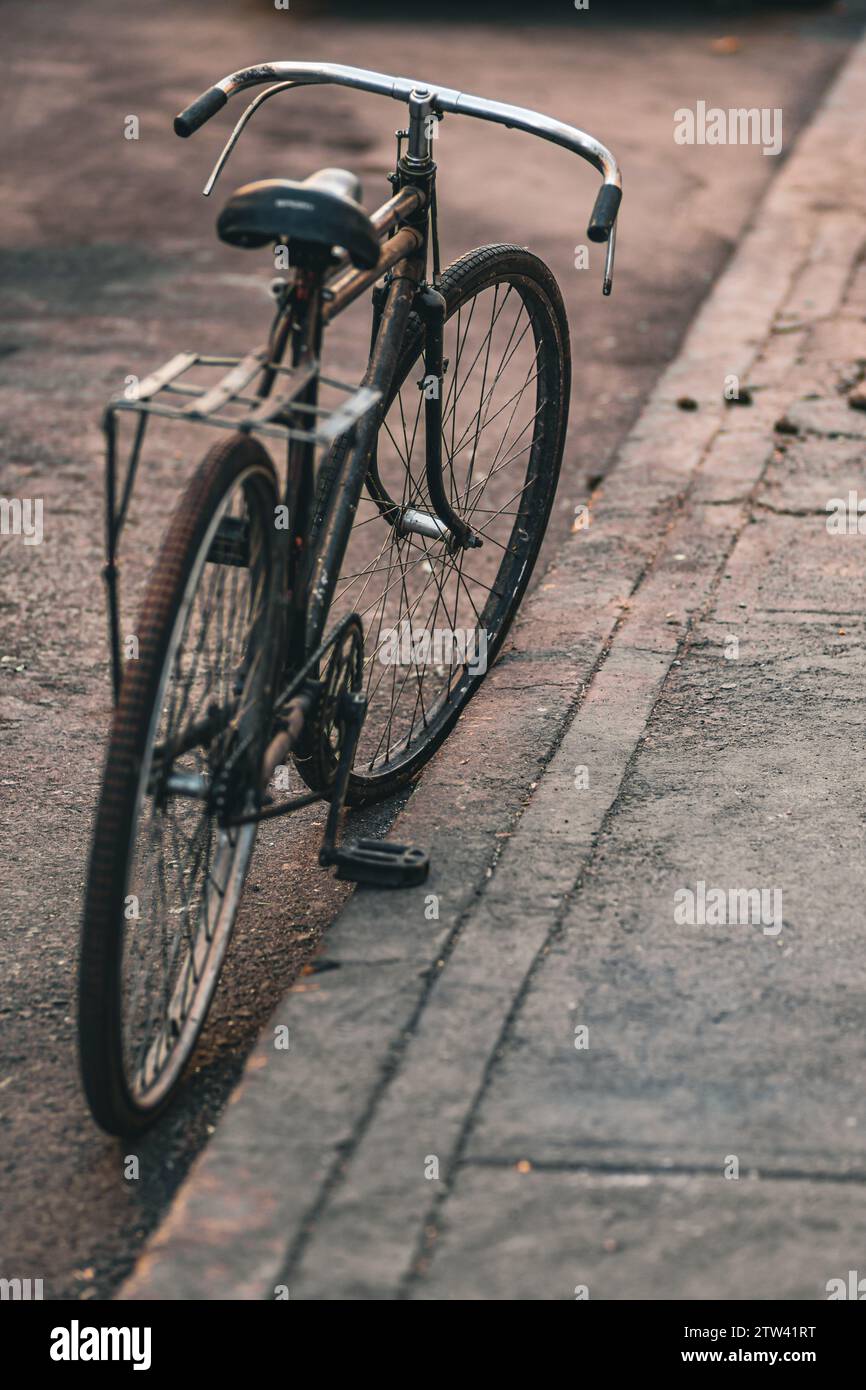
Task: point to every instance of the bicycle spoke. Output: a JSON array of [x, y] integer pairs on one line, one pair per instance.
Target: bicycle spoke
[[431, 607], [182, 860]]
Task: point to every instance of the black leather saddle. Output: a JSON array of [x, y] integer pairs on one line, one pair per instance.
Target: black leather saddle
[[312, 218]]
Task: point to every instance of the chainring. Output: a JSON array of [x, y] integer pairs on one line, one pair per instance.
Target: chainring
[[318, 753]]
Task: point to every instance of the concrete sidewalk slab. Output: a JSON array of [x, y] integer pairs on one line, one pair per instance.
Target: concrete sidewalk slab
[[640, 1236], [439, 1038]]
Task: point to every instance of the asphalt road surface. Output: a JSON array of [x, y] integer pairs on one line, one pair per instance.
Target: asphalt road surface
[[110, 266]]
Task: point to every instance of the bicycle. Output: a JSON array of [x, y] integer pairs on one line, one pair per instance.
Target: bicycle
[[414, 503]]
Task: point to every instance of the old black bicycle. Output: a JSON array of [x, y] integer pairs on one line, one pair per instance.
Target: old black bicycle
[[331, 611]]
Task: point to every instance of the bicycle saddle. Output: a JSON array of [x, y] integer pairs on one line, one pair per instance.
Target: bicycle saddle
[[322, 211]]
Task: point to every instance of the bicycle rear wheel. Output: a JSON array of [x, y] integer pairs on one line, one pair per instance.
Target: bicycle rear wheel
[[435, 618], [185, 755]]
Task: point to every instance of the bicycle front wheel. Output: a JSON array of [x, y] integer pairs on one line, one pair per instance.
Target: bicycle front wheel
[[435, 616], [184, 758]]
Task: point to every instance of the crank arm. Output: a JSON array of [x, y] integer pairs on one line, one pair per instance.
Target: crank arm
[[354, 708], [381, 863]]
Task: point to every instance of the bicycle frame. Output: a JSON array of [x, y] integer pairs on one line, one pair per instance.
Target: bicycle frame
[[319, 540], [407, 227], [404, 259]]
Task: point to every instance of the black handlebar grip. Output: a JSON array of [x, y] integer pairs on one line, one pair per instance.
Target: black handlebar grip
[[200, 111], [604, 213]]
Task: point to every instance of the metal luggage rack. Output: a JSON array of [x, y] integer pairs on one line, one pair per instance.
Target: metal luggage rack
[[226, 403]]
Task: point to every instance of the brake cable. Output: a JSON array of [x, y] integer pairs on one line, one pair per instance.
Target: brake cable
[[238, 130]]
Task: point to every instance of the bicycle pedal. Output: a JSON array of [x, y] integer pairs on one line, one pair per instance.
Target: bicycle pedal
[[383, 863]]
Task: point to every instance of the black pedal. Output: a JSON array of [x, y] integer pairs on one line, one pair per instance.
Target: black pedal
[[383, 863]]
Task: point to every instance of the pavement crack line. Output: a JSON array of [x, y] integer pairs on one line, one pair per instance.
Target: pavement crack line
[[399, 1047], [431, 1223], [792, 511], [854, 1177], [678, 506]]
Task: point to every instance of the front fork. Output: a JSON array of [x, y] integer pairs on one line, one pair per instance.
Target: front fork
[[445, 523], [442, 523]]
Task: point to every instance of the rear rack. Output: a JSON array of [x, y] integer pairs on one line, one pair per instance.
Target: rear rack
[[227, 402], [224, 404]]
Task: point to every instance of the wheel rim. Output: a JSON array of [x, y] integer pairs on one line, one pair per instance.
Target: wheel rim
[[186, 872], [434, 618]]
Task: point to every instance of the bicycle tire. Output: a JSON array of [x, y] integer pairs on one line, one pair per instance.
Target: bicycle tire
[[463, 282], [236, 463]]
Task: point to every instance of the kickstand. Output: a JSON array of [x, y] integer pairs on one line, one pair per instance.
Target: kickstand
[[381, 862]]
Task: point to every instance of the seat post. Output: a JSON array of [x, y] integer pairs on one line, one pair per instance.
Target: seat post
[[304, 309], [298, 323], [306, 301]]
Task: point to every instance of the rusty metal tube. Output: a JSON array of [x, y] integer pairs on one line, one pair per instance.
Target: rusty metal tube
[[408, 200], [346, 288]]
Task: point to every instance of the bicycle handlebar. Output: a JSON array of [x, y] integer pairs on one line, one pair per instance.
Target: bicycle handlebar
[[442, 99], [199, 111]]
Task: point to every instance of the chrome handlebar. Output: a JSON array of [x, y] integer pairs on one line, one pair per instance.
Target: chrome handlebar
[[602, 224]]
